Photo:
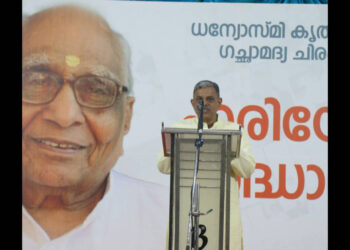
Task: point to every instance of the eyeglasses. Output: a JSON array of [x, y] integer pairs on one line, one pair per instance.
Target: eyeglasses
[[89, 91]]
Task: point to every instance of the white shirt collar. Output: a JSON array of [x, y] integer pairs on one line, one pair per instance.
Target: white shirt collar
[[30, 226]]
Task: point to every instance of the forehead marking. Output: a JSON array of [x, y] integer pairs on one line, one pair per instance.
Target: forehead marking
[[72, 60]]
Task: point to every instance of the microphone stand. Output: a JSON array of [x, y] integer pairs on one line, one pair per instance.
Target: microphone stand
[[194, 213]]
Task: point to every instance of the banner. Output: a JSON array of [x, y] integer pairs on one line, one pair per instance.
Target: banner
[[270, 61]]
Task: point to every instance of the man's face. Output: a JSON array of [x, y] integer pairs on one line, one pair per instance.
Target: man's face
[[211, 103], [63, 143]]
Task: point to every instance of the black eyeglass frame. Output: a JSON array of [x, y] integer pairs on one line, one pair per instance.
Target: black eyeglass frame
[[120, 89]]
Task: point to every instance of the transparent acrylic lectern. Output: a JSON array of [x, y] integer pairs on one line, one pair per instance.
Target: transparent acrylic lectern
[[213, 176]]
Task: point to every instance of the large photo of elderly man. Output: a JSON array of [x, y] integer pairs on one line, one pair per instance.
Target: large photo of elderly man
[[77, 106]]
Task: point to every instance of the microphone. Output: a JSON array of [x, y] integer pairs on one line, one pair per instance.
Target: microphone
[[200, 106]]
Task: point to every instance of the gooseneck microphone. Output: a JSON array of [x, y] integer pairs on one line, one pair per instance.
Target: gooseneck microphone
[[200, 106]]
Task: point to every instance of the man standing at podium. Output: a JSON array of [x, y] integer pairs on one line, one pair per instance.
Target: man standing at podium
[[243, 166]]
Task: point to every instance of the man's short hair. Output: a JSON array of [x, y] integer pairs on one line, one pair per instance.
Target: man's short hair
[[127, 61], [206, 84]]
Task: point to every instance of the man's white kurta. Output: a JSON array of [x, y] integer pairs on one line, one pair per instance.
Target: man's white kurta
[[132, 215]]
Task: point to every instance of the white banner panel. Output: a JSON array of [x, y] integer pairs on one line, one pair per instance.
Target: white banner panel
[[270, 61]]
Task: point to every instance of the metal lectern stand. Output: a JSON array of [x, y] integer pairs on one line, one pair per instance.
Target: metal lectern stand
[[213, 177]]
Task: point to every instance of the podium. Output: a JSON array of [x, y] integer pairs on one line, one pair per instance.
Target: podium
[[213, 176]]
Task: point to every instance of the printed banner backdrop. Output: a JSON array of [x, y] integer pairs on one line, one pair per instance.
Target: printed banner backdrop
[[270, 61]]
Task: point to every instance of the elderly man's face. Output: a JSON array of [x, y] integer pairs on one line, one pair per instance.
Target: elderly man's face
[[65, 144]]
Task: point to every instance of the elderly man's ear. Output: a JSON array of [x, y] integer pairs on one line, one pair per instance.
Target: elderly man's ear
[[128, 113]]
